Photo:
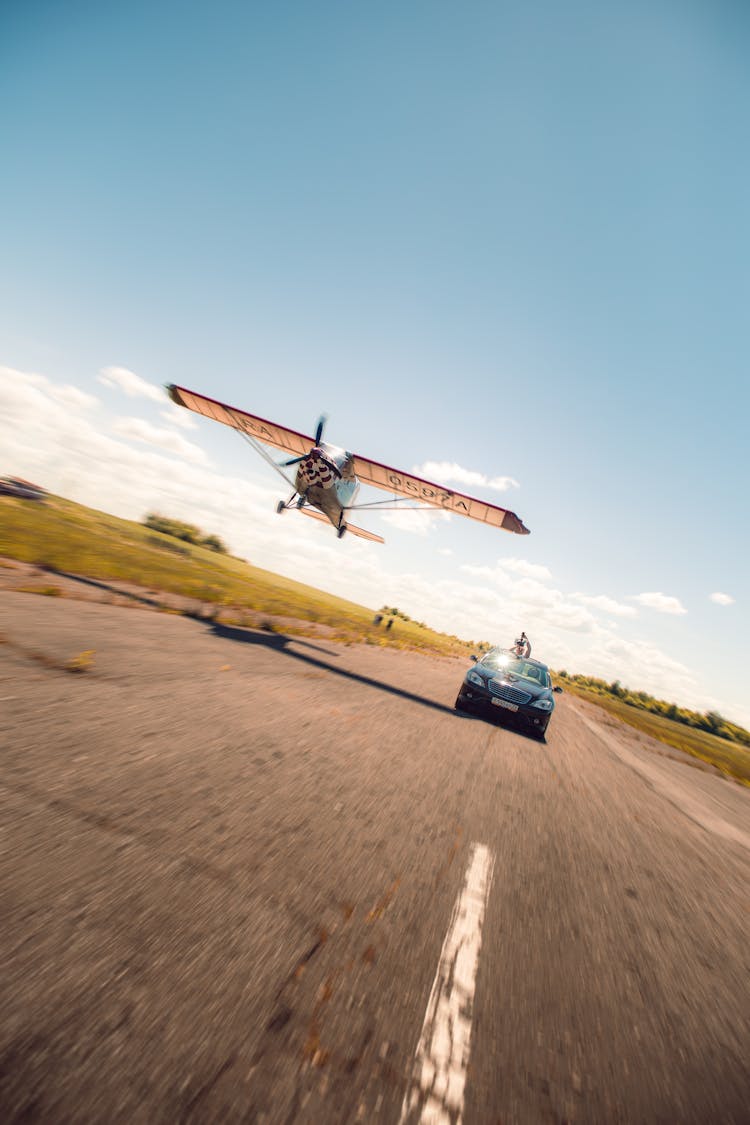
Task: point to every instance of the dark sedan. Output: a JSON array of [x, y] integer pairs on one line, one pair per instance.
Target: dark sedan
[[504, 685]]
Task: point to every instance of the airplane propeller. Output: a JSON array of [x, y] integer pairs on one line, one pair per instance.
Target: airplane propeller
[[318, 435]]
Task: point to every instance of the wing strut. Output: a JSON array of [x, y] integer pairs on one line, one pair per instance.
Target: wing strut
[[256, 445]]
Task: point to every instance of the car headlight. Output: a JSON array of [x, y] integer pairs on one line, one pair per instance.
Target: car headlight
[[544, 704], [473, 677]]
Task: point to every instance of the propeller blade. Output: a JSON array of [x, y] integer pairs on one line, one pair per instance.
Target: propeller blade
[[318, 435]]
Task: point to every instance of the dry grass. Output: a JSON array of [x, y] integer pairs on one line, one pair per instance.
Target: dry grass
[[729, 757], [45, 591], [83, 662], [64, 537]]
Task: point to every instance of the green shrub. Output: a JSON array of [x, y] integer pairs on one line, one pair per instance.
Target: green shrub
[[178, 529]]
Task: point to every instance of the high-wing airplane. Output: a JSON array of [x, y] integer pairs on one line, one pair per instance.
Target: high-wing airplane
[[327, 478]]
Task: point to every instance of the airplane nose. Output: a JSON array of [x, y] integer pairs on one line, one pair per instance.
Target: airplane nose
[[314, 469]]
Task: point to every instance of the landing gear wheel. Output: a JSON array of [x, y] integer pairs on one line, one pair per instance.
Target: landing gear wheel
[[341, 531], [300, 501], [280, 507]]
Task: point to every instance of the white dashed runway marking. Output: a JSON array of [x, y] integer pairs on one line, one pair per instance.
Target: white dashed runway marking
[[436, 1091]]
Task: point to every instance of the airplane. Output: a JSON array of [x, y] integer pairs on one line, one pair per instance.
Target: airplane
[[327, 478]]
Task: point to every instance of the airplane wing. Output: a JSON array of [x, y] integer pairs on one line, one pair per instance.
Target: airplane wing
[[437, 495], [278, 436]]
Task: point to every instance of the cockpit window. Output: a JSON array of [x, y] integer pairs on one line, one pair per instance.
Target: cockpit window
[[339, 457]]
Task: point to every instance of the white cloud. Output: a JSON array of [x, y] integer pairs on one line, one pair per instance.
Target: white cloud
[[722, 599], [442, 472], [72, 397], [417, 521], [15, 380], [520, 598], [137, 429], [662, 603], [613, 657], [445, 551], [491, 577], [133, 385], [606, 605], [64, 394], [524, 568]]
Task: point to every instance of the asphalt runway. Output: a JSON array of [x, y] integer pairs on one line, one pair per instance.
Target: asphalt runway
[[245, 878]]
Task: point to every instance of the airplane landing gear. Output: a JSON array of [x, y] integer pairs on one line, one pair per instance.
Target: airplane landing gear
[[282, 504], [340, 532]]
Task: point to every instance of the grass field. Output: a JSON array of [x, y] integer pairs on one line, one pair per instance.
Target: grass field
[[69, 538], [731, 758]]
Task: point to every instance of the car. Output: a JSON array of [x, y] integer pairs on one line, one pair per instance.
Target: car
[[23, 489], [502, 684]]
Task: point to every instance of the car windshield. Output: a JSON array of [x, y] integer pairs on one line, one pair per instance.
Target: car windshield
[[505, 662]]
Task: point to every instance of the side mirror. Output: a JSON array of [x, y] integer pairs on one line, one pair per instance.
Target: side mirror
[[558, 689], [474, 657]]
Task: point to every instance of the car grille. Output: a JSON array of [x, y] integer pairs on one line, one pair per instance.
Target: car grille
[[505, 691]]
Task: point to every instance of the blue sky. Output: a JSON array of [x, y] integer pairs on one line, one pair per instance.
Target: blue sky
[[509, 237]]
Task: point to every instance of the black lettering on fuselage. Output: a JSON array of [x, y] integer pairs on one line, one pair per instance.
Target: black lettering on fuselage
[[424, 491]]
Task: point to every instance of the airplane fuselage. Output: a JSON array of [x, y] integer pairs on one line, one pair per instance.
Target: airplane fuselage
[[326, 480]]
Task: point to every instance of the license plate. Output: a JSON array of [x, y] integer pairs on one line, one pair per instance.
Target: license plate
[[504, 703]]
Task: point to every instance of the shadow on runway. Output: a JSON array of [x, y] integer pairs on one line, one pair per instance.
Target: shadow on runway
[[280, 643], [276, 641], [472, 716]]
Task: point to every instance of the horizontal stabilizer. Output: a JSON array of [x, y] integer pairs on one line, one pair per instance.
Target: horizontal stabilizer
[[361, 533], [358, 531]]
